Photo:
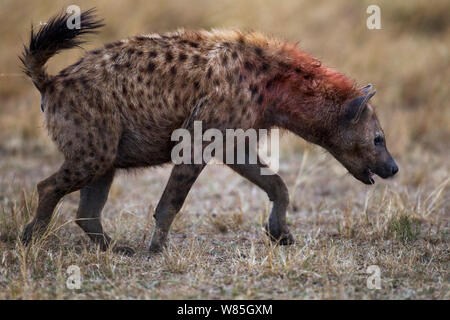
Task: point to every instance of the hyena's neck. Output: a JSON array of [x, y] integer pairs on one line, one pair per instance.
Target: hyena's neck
[[306, 97]]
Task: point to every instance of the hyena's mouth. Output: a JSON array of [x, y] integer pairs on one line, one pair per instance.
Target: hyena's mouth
[[370, 175]]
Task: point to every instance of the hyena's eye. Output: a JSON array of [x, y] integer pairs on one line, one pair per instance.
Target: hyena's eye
[[378, 141]]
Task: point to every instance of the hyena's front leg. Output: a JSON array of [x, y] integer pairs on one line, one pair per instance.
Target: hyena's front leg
[[180, 182], [277, 191]]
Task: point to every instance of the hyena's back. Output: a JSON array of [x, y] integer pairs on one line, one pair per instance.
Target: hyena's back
[[122, 102]]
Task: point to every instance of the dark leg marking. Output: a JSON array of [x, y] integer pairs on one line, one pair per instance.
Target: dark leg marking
[[180, 182], [277, 191], [92, 200]]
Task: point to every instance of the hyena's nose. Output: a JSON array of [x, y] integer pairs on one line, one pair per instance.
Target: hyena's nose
[[394, 169]]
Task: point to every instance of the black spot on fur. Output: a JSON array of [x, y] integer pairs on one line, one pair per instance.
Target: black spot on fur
[[283, 65], [115, 56], [151, 67], [254, 89], [182, 57], [224, 59], [115, 44], [169, 56], [193, 44], [273, 81], [209, 73], [84, 82], [152, 54], [234, 55], [68, 82], [173, 70], [264, 67], [248, 66], [196, 59], [260, 99]]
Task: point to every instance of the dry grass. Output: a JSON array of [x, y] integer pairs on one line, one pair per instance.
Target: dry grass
[[217, 247]]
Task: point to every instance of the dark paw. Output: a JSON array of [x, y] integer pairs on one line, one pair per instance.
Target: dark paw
[[159, 241], [124, 250], [27, 234], [286, 240], [155, 249], [279, 237]]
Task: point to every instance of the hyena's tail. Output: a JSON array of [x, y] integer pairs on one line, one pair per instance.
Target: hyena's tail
[[59, 33]]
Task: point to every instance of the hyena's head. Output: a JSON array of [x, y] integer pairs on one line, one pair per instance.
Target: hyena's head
[[359, 142]]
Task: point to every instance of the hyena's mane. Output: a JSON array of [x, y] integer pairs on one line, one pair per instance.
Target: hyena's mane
[[297, 69]]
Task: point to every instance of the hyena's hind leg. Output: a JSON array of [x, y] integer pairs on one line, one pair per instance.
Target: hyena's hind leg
[[72, 176], [180, 182], [92, 200], [277, 191]]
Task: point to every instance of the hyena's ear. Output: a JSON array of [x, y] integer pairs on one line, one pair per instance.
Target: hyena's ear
[[355, 108], [366, 89]]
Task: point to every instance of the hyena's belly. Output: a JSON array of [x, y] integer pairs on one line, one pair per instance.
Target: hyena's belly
[[145, 144]]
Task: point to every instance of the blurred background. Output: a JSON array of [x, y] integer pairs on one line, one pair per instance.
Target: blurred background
[[341, 225], [408, 60]]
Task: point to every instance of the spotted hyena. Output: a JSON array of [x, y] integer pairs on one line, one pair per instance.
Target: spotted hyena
[[118, 105]]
